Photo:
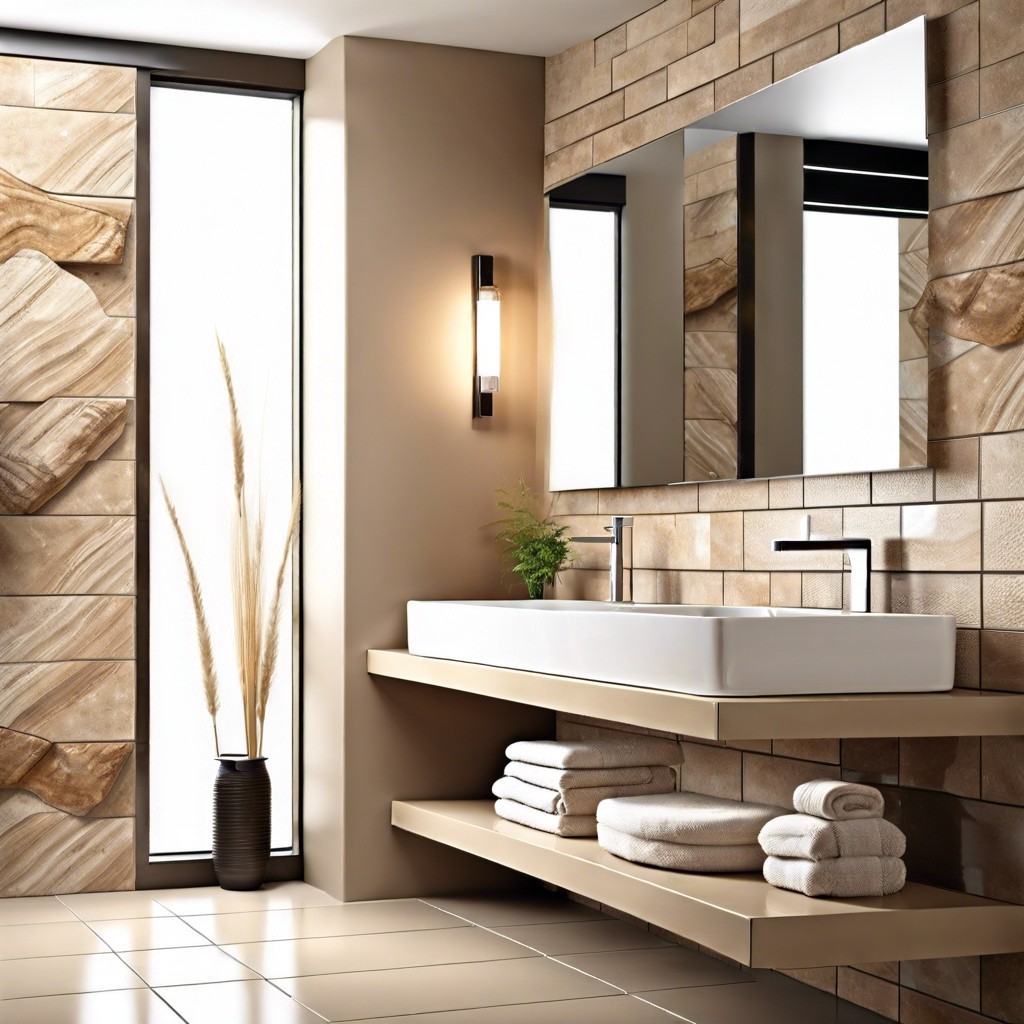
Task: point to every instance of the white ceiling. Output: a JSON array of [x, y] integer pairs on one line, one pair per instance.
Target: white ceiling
[[299, 28]]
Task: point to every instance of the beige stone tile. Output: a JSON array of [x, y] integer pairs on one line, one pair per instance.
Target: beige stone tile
[[656, 541], [689, 587], [64, 938], [290, 958], [843, 489], [977, 159], [1002, 660], [709, 448], [786, 492], [952, 44], [913, 432], [1000, 86], [954, 102], [503, 909], [572, 80], [1004, 532], [976, 234], [66, 628], [826, 751], [192, 965], [761, 528], [743, 82], [771, 25], [241, 1002], [648, 92], [1002, 33], [733, 495], [883, 997], [954, 979], [356, 995], [705, 64], [911, 346], [581, 937], [112, 283], [772, 780], [976, 393], [713, 771], [716, 180], [33, 910], [65, 85], [653, 22], [119, 1007], [1002, 771], [948, 763], [650, 969], [648, 500], [1003, 600], [957, 594], [1002, 466], [114, 906], [583, 122], [212, 900], [786, 589], [147, 933], [881, 525], [726, 540], [710, 348], [587, 556], [955, 464], [654, 123], [822, 590], [862, 27], [654, 53], [710, 229], [580, 585], [15, 81], [881, 591], [967, 667], [914, 379], [942, 538], [747, 589], [807, 52], [95, 972], [573, 503], [913, 233], [718, 153], [568, 162], [913, 277], [103, 488], [611, 44]]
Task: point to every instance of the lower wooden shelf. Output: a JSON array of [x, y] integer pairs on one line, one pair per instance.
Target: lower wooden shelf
[[739, 916]]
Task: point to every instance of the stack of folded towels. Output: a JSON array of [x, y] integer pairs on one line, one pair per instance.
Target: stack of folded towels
[[838, 845], [555, 786], [685, 831]]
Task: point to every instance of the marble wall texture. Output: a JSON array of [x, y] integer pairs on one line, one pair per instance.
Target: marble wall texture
[[948, 538], [67, 477]]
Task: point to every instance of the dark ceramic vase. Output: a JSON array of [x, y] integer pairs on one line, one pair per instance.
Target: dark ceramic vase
[[241, 822]]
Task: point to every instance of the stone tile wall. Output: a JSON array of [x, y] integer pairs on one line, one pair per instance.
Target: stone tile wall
[[947, 539], [67, 477]]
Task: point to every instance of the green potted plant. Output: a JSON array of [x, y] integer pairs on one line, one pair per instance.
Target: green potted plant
[[535, 549]]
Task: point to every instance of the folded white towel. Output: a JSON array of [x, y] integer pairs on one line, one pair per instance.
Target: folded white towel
[[578, 801], [838, 801], [638, 750], [687, 818], [842, 877], [578, 778], [803, 835], [680, 856], [571, 825]]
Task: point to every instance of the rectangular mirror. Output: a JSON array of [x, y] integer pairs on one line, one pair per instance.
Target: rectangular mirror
[[733, 300]]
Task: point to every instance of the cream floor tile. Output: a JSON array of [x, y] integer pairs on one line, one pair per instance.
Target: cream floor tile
[[65, 938], [290, 958], [494, 911], [45, 976], [147, 933], [641, 970], [314, 922], [599, 1010], [212, 900], [131, 1006], [33, 910], [341, 997], [237, 1002], [580, 937], [114, 906], [196, 965]]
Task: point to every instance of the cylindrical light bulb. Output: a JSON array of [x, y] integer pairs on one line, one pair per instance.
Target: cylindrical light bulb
[[488, 338]]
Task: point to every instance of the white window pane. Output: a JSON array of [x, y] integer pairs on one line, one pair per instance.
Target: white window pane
[[221, 262]]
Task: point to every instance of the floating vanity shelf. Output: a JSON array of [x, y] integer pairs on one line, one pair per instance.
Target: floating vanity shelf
[[739, 916], [951, 713]]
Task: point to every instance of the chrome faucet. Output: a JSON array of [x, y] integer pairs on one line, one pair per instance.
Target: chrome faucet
[[857, 549], [615, 537]]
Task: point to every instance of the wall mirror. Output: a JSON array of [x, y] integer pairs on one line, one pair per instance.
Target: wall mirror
[[733, 300]]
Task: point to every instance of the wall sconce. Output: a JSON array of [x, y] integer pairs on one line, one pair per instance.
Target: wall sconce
[[487, 336]]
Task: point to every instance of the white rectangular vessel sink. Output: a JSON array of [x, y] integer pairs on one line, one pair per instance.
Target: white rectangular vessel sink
[[721, 652]]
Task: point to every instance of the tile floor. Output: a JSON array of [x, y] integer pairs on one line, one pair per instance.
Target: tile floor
[[290, 954]]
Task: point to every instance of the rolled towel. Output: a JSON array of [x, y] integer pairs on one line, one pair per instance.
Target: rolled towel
[[803, 835], [641, 750], [578, 801], [838, 801], [569, 825], [579, 778], [680, 856], [842, 877], [689, 818]]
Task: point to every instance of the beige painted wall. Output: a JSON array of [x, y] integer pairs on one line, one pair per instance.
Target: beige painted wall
[[417, 157]]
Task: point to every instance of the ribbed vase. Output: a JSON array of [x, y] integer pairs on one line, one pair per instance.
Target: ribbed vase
[[241, 822]]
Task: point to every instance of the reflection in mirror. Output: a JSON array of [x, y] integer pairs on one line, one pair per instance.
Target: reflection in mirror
[[768, 261]]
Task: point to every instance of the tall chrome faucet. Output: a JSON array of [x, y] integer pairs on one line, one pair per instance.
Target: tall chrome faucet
[[857, 549], [616, 534]]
